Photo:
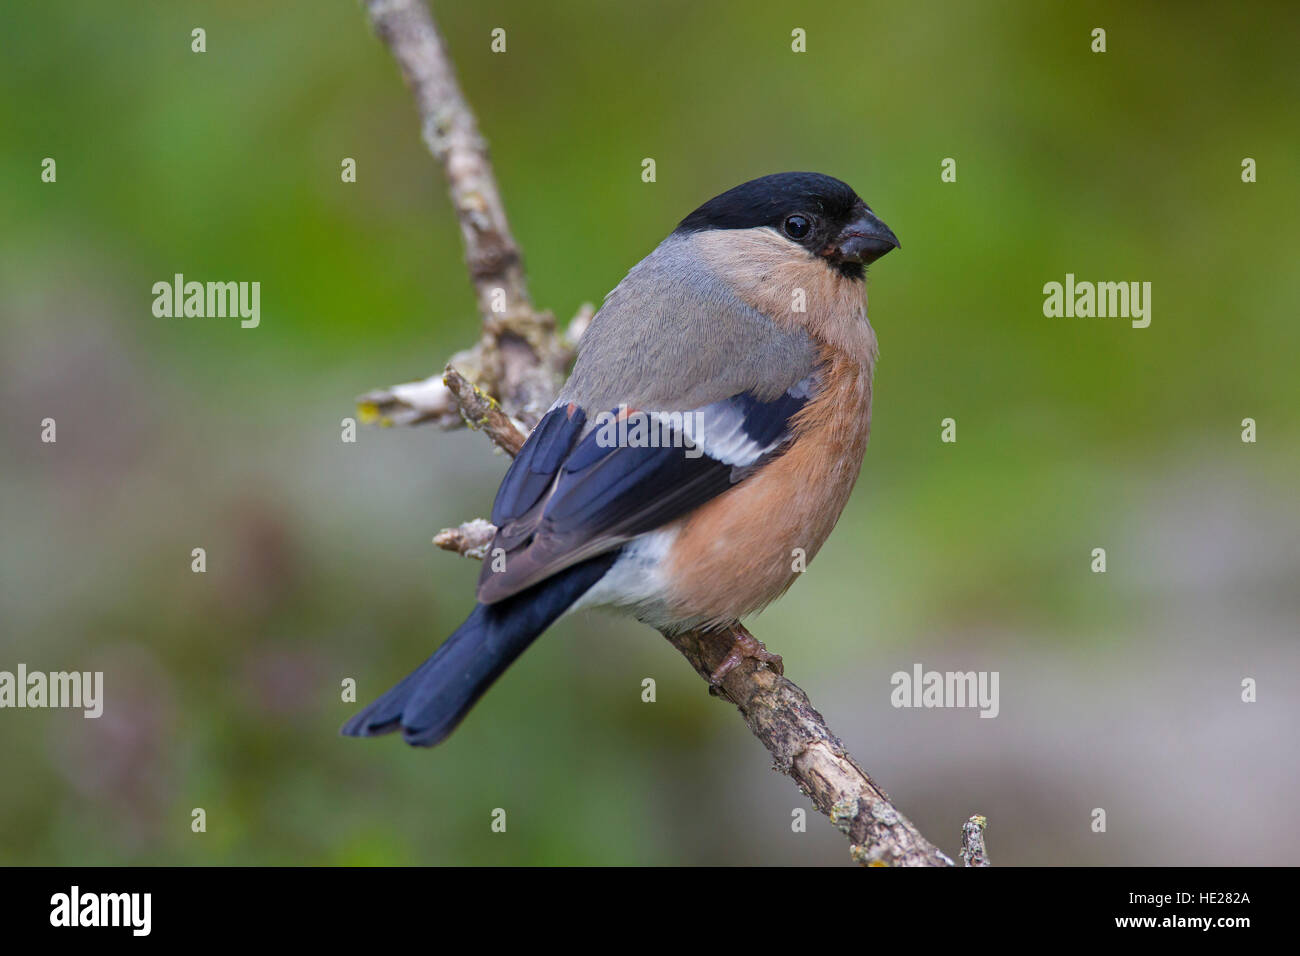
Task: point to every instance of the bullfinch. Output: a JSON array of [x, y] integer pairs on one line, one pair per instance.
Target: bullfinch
[[709, 435]]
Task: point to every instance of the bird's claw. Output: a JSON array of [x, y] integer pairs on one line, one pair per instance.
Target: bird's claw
[[745, 645]]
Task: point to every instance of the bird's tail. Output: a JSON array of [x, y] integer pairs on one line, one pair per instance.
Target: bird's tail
[[430, 701]]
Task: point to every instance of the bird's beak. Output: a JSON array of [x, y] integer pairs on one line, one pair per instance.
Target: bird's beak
[[865, 239]]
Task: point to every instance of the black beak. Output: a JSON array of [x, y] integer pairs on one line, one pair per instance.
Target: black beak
[[865, 239]]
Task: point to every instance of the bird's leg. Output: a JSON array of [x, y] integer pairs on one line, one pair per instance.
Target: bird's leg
[[744, 645]]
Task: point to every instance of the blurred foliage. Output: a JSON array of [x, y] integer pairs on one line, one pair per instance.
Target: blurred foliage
[[179, 433]]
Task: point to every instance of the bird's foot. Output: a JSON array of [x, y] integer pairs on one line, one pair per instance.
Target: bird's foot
[[745, 645]]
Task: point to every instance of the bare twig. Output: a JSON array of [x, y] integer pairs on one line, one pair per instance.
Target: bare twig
[[411, 403], [452, 134], [781, 716], [470, 539], [520, 358], [973, 852], [480, 410]]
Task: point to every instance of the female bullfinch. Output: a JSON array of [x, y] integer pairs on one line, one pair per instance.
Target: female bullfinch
[[715, 422]]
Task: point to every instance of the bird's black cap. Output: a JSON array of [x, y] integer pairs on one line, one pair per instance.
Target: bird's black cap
[[766, 201], [837, 226]]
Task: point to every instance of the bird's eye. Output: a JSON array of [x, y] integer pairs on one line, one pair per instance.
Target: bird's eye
[[796, 227]]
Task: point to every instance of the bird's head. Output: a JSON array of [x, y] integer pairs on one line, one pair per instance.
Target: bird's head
[[819, 214]]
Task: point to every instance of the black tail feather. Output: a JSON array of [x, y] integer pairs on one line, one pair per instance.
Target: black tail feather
[[430, 701]]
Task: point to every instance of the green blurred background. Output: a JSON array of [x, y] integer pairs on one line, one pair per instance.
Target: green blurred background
[[1119, 691]]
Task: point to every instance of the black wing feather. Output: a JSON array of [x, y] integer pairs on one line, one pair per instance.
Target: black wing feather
[[567, 498]]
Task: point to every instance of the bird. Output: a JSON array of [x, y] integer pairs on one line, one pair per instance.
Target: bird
[[702, 449]]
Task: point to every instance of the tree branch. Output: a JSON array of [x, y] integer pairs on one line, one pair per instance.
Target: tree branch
[[480, 410], [520, 359], [972, 842]]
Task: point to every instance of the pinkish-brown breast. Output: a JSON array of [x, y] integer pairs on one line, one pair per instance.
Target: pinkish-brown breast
[[739, 551]]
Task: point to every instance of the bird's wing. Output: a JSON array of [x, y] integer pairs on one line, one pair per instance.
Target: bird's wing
[[574, 491]]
